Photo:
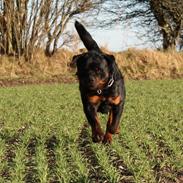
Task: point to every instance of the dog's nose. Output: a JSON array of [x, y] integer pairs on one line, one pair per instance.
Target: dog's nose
[[91, 80]]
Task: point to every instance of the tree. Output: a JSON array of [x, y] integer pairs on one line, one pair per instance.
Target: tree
[[169, 15], [28, 24], [161, 19]]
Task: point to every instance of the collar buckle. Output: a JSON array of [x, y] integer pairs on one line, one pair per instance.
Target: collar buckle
[[99, 91], [111, 81]]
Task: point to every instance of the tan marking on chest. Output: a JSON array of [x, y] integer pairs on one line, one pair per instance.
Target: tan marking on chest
[[114, 100], [94, 99]]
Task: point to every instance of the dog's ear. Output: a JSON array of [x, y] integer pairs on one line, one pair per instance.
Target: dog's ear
[[111, 62], [86, 38], [76, 61], [110, 58], [73, 63]]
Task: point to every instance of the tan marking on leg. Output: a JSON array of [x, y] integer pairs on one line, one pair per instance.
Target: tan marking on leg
[[108, 136], [97, 133]]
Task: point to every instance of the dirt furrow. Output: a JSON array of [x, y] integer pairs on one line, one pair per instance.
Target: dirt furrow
[[31, 171], [51, 144], [165, 173], [118, 163], [96, 174], [12, 142]]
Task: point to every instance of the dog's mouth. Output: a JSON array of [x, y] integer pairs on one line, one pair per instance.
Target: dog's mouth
[[97, 83]]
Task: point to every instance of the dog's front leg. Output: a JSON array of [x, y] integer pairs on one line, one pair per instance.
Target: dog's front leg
[[113, 122], [91, 114]]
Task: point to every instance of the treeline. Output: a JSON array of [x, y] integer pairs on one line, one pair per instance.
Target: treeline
[[26, 25]]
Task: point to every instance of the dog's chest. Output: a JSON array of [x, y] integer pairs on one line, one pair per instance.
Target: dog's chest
[[96, 99]]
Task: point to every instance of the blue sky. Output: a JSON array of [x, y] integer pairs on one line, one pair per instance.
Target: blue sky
[[116, 38]]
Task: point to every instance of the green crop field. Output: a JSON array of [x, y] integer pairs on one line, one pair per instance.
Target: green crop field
[[44, 136]]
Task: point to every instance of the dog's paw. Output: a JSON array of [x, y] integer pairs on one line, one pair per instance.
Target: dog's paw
[[117, 130], [97, 136], [107, 138]]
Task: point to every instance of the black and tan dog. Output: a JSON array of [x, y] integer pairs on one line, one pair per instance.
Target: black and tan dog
[[101, 86]]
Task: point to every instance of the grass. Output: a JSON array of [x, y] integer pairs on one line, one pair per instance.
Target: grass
[[44, 136]]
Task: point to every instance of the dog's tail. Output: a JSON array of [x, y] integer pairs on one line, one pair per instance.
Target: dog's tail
[[86, 38]]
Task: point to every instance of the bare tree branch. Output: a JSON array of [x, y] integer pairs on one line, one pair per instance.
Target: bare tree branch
[[161, 19], [28, 24]]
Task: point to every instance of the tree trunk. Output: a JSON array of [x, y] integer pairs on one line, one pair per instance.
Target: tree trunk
[[169, 34], [169, 40]]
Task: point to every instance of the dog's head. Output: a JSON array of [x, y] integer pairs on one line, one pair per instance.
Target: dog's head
[[94, 68]]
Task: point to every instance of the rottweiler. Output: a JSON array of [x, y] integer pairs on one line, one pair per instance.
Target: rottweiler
[[101, 86]]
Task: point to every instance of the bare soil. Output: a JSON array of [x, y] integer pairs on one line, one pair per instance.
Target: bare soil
[[31, 81]]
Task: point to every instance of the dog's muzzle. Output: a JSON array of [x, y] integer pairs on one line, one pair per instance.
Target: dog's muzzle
[[110, 83]]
